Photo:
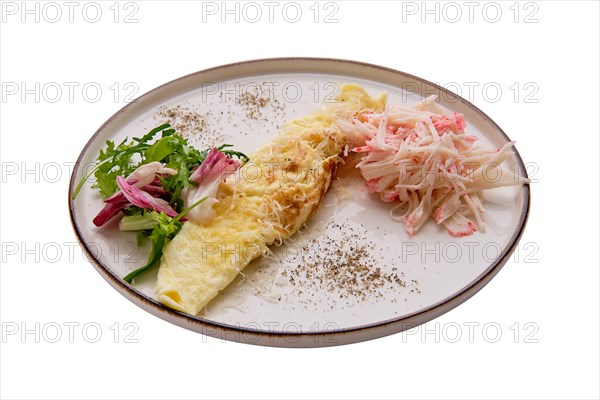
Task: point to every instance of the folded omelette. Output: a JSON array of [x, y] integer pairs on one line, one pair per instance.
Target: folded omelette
[[263, 204]]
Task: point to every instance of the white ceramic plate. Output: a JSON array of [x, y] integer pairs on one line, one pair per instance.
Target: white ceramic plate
[[294, 299]]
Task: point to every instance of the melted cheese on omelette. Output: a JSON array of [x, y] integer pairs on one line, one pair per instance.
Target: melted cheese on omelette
[[266, 202]]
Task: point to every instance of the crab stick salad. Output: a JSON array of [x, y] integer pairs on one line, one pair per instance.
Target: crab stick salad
[[421, 159]]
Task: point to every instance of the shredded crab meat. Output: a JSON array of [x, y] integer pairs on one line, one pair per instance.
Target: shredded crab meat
[[422, 159]]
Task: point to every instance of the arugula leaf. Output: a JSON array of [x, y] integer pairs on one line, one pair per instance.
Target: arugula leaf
[[155, 255], [141, 236], [116, 161], [233, 153], [159, 150]]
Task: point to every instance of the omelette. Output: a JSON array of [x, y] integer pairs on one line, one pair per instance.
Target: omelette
[[264, 203]]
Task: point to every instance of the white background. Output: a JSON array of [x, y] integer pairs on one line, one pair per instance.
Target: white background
[[554, 120]]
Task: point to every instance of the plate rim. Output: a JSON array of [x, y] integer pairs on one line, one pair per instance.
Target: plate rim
[[221, 330]]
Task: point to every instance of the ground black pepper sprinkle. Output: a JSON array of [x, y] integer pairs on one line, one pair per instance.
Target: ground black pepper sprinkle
[[255, 104], [184, 119], [192, 124], [347, 267]]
